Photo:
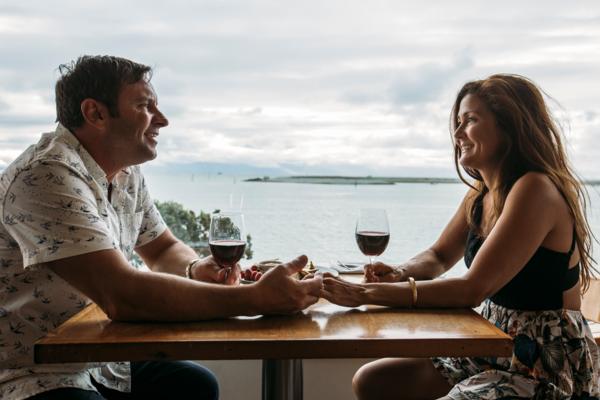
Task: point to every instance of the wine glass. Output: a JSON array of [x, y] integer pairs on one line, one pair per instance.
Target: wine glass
[[227, 238], [372, 232]]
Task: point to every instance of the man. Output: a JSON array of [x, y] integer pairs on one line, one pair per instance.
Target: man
[[73, 208]]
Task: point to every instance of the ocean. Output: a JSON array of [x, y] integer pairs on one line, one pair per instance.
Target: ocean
[[289, 219]]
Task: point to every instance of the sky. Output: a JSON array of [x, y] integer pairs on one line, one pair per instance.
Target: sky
[[308, 87]]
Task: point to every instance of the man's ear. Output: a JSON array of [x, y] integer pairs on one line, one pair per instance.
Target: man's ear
[[94, 113]]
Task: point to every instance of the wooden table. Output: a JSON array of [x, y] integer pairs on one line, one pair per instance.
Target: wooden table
[[322, 331]]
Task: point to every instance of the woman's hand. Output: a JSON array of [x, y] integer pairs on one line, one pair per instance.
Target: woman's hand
[[343, 293], [380, 272]]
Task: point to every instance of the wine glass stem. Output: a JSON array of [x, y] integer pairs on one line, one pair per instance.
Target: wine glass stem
[[370, 260]]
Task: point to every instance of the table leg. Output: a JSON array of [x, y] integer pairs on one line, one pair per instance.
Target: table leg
[[282, 380]]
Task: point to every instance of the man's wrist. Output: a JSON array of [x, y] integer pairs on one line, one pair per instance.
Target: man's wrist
[[189, 268], [248, 300]]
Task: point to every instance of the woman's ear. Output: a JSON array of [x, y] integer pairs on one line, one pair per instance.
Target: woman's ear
[[94, 113]]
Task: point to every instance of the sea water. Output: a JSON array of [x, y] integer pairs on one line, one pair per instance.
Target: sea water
[[288, 219]]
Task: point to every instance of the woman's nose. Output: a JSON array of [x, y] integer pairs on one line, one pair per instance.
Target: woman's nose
[[458, 132]]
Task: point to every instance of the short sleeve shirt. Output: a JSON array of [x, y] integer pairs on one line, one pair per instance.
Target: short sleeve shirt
[[54, 203]]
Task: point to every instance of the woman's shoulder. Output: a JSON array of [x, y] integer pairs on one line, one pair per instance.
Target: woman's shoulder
[[535, 180], [538, 187]]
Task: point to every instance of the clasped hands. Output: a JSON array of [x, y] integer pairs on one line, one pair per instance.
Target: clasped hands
[[312, 287]]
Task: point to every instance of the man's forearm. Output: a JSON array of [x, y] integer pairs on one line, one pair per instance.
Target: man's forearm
[[159, 297], [174, 259]]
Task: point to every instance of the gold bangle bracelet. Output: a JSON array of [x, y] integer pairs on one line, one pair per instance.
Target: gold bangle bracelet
[[413, 288], [188, 268]]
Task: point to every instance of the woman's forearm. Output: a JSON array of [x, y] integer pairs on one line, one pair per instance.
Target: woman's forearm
[[446, 293], [424, 266]]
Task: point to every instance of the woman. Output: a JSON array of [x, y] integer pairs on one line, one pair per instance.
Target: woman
[[524, 236]]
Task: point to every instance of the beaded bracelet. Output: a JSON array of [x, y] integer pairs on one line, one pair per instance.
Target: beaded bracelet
[[188, 269]]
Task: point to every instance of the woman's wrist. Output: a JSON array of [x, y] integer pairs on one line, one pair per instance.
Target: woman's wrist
[[368, 292], [382, 294], [400, 273]]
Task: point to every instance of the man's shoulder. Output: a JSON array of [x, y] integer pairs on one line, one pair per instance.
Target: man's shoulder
[[59, 147], [49, 155]]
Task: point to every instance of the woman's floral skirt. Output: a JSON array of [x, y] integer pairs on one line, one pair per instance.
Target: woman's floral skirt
[[554, 357]]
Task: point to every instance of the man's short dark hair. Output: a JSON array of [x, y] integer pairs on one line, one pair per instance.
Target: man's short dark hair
[[96, 77]]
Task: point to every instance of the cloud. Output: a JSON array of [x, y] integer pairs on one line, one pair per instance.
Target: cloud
[[427, 82], [306, 84], [582, 142], [24, 109]]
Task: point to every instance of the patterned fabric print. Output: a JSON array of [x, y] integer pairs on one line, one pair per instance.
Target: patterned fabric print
[[53, 205], [554, 357]]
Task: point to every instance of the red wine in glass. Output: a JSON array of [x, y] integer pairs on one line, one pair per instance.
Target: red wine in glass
[[372, 232], [227, 252], [372, 243], [226, 238]]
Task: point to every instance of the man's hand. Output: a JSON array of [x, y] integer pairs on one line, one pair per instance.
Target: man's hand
[[380, 272], [207, 270], [280, 293]]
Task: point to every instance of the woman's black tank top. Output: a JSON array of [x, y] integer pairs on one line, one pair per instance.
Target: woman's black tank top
[[541, 282]]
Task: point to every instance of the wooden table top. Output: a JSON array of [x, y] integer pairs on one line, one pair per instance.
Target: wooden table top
[[322, 331]]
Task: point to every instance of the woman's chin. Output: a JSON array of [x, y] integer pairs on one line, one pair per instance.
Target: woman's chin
[[465, 162]]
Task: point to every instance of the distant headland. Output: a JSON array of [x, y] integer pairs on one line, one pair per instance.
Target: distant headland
[[362, 180], [350, 180]]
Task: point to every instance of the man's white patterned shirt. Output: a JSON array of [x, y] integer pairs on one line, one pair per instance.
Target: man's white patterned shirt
[[54, 204]]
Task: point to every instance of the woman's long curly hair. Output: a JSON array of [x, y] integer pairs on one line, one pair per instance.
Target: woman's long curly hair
[[533, 142]]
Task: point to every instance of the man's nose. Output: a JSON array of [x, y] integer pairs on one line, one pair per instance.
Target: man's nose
[[160, 119]]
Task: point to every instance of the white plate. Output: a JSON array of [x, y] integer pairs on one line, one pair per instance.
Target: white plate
[[329, 270], [346, 267]]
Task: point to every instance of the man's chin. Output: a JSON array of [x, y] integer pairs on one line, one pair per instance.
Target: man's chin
[[148, 155]]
